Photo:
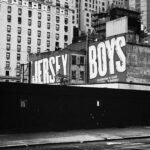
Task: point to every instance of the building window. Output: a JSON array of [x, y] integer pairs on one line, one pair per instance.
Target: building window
[[29, 49], [57, 10], [57, 27], [48, 25], [8, 46], [81, 60], [18, 75], [87, 20], [48, 8], [29, 32], [19, 30], [29, 40], [39, 6], [39, 24], [9, 9], [39, 15], [73, 75], [19, 11], [19, 20], [38, 42], [48, 35], [89, 31], [73, 60], [8, 55], [82, 75], [57, 36], [29, 22], [57, 19], [66, 5], [9, 18], [38, 33], [66, 20], [57, 3], [57, 44], [38, 50], [20, 2], [66, 12], [8, 28], [29, 13], [8, 37], [18, 48], [9, 1], [30, 4], [7, 73], [18, 57], [48, 43], [18, 64], [48, 17], [66, 28], [66, 37], [7, 64], [19, 39], [65, 44]]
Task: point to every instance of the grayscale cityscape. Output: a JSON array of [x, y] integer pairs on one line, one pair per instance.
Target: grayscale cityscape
[[75, 74]]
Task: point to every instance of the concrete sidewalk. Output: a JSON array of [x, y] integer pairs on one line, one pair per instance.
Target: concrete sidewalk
[[79, 136]]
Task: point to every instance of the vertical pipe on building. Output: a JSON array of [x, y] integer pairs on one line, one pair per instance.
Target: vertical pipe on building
[[29, 80], [22, 67], [87, 60]]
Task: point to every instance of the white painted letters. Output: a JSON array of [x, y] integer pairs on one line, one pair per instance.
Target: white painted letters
[[92, 62], [102, 62], [47, 68], [107, 58]]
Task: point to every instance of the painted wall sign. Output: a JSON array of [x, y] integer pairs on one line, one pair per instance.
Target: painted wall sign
[[44, 71], [107, 60]]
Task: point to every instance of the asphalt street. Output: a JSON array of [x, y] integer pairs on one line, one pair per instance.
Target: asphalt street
[[134, 144]]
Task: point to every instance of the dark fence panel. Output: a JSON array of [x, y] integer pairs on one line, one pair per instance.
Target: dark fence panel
[[25, 107]]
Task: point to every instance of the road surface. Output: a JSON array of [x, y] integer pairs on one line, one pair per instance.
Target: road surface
[[133, 144]]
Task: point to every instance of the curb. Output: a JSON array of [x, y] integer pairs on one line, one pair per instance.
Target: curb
[[75, 142]]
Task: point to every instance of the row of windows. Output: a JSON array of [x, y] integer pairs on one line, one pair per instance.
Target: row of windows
[[8, 53], [81, 75], [8, 56], [93, 1], [58, 20], [58, 11], [8, 62], [9, 18], [29, 22], [39, 15], [8, 45], [58, 36], [74, 60], [39, 6], [61, 11], [58, 4], [58, 28]]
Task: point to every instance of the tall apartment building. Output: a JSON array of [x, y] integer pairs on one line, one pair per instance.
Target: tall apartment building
[[85, 9], [119, 3], [142, 6], [31, 27]]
